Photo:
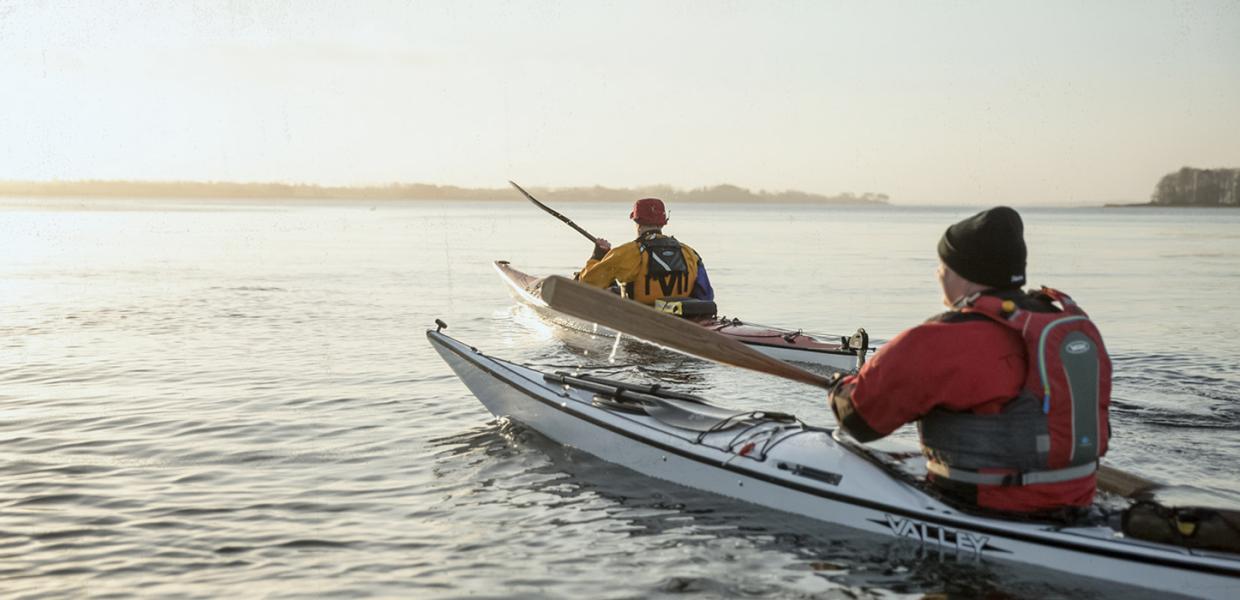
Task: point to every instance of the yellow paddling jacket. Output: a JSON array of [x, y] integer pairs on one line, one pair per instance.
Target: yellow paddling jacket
[[651, 267]]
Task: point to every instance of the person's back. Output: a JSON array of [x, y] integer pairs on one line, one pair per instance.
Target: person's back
[[1010, 392], [651, 267]]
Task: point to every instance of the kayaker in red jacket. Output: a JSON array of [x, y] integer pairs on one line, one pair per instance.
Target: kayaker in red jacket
[[651, 267], [1009, 390]]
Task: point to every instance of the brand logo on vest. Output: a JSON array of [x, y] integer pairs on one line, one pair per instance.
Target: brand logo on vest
[[1078, 347]]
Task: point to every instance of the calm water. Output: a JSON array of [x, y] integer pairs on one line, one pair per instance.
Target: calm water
[[237, 399]]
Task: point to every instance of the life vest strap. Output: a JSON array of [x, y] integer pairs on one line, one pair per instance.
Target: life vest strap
[[1011, 479]]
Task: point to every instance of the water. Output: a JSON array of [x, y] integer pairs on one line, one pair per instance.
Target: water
[[236, 398]]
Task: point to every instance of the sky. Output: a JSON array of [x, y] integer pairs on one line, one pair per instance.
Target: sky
[[1022, 103]]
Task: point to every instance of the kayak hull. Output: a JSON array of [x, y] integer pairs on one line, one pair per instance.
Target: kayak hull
[[811, 473], [783, 344]]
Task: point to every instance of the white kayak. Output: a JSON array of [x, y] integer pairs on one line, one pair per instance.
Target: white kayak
[[774, 460], [842, 353]]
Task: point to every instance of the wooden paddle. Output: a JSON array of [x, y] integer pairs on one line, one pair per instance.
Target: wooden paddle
[[1123, 483], [641, 321]]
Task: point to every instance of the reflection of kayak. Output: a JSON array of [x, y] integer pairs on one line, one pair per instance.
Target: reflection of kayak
[[783, 344], [776, 461]]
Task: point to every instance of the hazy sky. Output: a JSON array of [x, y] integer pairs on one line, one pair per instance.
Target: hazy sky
[[931, 102]]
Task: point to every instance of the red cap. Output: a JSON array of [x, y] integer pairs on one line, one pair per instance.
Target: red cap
[[649, 211]]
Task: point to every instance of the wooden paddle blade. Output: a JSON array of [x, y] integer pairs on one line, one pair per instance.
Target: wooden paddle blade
[[1123, 483], [641, 321]]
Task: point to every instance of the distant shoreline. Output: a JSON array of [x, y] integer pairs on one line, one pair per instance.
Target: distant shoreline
[[169, 190], [1153, 205]]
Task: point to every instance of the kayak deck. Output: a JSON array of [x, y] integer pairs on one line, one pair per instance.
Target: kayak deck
[[774, 460], [785, 344]]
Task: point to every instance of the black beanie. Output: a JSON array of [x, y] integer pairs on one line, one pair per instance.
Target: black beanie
[[987, 248]]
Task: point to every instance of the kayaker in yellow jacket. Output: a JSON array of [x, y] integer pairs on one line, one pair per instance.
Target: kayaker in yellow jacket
[[652, 266]]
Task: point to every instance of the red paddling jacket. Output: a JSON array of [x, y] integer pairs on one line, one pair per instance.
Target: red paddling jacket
[[1011, 395]]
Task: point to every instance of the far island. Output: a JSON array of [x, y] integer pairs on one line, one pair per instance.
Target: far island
[[414, 191], [1196, 187]]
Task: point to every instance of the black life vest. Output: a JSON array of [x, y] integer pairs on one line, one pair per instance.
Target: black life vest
[[1057, 428], [665, 265]]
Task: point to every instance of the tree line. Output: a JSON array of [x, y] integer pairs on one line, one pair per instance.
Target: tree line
[[419, 191]]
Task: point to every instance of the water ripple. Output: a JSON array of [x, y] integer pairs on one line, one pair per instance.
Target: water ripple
[[243, 404]]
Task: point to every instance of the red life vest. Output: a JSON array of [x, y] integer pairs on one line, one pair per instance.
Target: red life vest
[[1057, 428]]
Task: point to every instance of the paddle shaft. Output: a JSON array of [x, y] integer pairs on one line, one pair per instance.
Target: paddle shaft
[[638, 320], [1125, 484], [555, 214]]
